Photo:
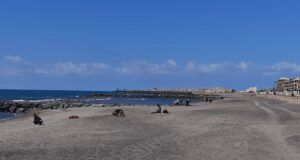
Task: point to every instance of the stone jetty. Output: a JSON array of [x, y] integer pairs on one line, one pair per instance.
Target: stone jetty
[[158, 94], [26, 106]]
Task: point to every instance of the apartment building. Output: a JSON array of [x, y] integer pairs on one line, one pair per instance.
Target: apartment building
[[288, 85]]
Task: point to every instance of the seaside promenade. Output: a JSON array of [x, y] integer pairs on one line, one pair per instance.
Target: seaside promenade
[[237, 128]]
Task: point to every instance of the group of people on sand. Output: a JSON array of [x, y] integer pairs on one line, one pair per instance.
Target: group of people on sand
[[37, 120], [180, 102]]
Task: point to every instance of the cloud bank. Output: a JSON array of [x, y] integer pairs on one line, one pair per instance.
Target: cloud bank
[[16, 65]]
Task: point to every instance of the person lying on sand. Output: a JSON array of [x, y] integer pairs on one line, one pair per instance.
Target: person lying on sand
[[166, 111], [74, 117], [37, 120]]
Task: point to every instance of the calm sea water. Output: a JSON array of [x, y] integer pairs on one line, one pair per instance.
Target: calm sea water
[[39, 95], [43, 94], [6, 115], [52, 94], [132, 101]]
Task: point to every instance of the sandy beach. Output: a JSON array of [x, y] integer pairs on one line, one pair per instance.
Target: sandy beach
[[289, 99], [240, 128]]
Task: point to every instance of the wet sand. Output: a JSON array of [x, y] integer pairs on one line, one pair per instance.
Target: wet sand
[[240, 128]]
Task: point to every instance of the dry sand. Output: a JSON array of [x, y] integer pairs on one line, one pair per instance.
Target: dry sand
[[289, 99], [241, 128]]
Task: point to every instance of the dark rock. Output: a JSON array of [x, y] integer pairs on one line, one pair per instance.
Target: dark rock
[[116, 104], [86, 105], [12, 109], [21, 110]]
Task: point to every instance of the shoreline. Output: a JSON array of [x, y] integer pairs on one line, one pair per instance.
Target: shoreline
[[7, 118]]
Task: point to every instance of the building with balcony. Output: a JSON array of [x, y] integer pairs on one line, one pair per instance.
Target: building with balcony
[[288, 85]]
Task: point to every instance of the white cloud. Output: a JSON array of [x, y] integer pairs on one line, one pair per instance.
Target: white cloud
[[171, 62], [192, 66], [144, 67], [281, 68], [16, 65], [286, 66], [133, 67], [243, 65], [65, 68], [13, 59]]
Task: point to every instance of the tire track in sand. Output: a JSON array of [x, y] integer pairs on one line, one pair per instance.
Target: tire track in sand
[[295, 114], [274, 131], [269, 111]]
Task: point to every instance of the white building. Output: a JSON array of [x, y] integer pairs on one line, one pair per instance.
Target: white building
[[252, 89]]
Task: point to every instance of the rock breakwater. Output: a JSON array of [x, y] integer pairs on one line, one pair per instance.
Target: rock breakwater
[[26, 106]]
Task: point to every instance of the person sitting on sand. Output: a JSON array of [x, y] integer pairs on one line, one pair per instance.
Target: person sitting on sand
[[118, 113], [180, 100], [37, 120], [158, 109], [176, 103]]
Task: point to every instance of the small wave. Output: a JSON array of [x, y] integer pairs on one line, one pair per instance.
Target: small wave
[[45, 100], [97, 99], [18, 100]]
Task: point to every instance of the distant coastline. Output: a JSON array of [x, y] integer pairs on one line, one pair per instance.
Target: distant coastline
[[18, 94]]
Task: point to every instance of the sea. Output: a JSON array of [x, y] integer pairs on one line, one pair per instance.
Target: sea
[[45, 95]]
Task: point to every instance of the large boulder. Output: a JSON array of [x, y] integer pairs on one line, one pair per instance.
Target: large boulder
[[21, 110], [12, 109]]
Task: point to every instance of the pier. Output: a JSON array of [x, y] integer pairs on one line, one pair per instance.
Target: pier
[[161, 94]]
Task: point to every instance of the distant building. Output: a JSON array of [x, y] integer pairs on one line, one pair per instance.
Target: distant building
[[282, 84], [252, 90], [288, 85]]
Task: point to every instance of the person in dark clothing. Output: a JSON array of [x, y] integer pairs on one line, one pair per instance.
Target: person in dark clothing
[[181, 101], [37, 120], [187, 102], [118, 113], [158, 109], [166, 111]]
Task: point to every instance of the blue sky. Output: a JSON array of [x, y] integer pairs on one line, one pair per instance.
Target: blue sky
[[104, 45]]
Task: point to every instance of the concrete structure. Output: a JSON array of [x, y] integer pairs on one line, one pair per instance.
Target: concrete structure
[[212, 90], [282, 84], [287, 85], [252, 89]]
